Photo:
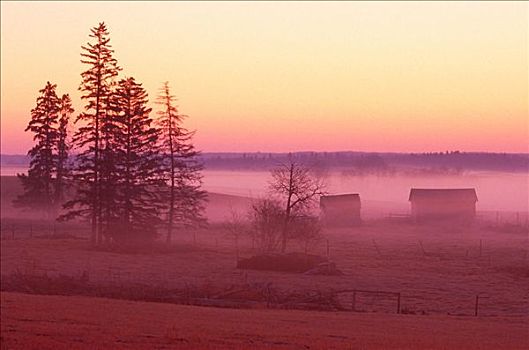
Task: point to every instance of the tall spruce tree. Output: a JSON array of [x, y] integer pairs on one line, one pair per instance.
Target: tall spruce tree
[[185, 198], [96, 87], [109, 172], [38, 184], [137, 162], [63, 146]]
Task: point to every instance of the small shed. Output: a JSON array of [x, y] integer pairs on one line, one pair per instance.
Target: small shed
[[445, 204], [340, 210]]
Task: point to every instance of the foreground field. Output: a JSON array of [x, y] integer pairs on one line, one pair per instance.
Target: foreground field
[[437, 271], [56, 322]]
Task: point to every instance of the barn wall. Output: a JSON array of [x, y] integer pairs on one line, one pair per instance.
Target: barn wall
[[340, 216], [426, 209]]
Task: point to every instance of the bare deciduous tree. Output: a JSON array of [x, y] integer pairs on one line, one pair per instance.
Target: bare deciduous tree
[[306, 230], [299, 188], [266, 224]]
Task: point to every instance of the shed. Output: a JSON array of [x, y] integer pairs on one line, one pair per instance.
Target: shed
[[447, 204], [340, 210]]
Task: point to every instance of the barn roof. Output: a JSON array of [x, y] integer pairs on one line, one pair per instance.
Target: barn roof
[[340, 198], [443, 193]]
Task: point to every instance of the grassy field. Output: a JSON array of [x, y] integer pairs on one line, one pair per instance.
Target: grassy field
[[55, 322], [438, 271]]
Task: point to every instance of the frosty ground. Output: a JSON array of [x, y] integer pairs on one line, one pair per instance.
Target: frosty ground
[[438, 271]]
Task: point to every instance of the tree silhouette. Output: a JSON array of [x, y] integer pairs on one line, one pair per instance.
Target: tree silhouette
[[137, 162], [97, 90], [38, 184], [297, 185], [266, 224], [109, 175], [63, 147], [185, 198]]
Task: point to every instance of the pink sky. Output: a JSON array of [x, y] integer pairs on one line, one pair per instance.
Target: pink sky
[[292, 76]]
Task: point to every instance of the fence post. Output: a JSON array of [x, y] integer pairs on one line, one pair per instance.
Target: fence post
[[477, 305], [398, 303]]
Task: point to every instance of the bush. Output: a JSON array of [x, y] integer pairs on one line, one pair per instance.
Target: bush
[[267, 221], [266, 224]]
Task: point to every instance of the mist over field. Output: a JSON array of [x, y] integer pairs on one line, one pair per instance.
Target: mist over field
[[382, 180]]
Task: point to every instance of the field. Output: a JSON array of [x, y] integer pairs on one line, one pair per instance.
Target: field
[[438, 271], [56, 322]]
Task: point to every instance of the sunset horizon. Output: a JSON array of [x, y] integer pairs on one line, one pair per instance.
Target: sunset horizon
[[371, 77]]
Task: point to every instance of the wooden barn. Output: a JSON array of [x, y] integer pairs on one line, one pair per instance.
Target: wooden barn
[[340, 210], [439, 204]]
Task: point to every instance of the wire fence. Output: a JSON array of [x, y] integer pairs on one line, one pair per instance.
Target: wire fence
[[252, 294], [22, 229]]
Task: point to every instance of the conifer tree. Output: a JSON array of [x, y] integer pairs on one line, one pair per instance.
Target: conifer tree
[[96, 88], [38, 184], [181, 167], [63, 146], [109, 155], [137, 162]]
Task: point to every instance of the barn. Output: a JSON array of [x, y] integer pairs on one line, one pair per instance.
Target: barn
[[340, 210], [447, 204]]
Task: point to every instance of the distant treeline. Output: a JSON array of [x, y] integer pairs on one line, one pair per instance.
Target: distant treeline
[[367, 162], [357, 162]]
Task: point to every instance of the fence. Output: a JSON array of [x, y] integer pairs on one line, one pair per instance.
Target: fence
[[242, 295], [17, 229]]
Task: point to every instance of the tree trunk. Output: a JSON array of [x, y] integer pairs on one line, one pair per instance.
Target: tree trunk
[[127, 169], [172, 195], [288, 210], [95, 206], [171, 210]]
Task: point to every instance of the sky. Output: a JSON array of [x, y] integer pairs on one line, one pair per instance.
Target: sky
[[294, 76]]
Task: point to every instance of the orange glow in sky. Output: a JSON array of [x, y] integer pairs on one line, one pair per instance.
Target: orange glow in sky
[[270, 76]]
